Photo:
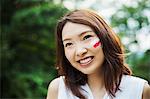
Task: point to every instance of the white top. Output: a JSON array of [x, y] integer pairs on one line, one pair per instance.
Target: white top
[[131, 88]]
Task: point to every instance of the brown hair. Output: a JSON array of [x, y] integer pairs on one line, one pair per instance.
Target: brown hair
[[113, 67]]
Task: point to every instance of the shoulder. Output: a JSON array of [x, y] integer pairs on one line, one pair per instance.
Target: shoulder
[[133, 79], [146, 91], [53, 89], [131, 83]]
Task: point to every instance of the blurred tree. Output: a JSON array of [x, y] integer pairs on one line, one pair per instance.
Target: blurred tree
[[27, 47], [129, 22], [140, 65]]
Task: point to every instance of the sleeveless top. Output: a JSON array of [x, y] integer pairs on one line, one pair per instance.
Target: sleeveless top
[[130, 88]]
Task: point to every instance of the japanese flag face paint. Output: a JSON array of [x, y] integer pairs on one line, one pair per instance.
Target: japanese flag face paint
[[95, 43]]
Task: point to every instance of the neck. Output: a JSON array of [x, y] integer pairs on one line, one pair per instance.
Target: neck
[[96, 81]]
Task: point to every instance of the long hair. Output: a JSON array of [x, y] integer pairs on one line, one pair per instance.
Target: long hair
[[114, 63]]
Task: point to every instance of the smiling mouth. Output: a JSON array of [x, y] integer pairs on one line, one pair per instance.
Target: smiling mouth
[[86, 61]]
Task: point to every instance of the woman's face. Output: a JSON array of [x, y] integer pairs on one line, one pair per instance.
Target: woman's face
[[82, 47]]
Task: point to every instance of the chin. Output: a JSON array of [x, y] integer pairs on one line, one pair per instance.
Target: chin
[[87, 72]]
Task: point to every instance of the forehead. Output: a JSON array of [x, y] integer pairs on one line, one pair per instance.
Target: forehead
[[72, 29]]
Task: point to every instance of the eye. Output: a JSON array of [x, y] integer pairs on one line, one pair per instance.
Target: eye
[[68, 44], [87, 36]]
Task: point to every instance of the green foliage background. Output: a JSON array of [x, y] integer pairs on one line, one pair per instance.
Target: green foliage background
[[138, 61], [28, 49]]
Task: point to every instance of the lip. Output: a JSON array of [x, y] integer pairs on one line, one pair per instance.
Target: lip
[[87, 63]]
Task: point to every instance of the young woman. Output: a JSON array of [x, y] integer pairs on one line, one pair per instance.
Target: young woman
[[90, 58]]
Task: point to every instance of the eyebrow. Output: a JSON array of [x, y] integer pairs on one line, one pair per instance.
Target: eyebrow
[[79, 35]]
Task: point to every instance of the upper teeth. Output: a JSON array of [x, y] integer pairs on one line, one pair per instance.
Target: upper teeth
[[85, 60]]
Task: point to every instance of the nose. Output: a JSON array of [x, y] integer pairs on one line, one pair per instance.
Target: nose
[[81, 51]]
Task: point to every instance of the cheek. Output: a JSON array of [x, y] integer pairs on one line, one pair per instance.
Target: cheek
[[69, 55], [95, 43]]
